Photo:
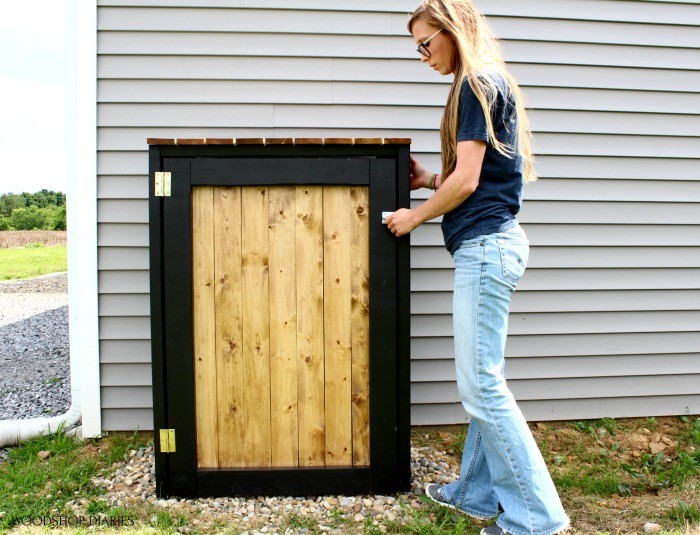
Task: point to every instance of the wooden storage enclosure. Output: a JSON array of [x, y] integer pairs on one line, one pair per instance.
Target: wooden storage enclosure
[[280, 316]]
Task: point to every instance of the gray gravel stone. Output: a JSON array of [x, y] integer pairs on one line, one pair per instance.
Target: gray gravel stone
[[272, 514], [34, 353]]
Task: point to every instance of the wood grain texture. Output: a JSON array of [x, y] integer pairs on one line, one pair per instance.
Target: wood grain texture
[[229, 342], [310, 358], [359, 197], [337, 238], [281, 141], [203, 325], [283, 327], [256, 324]]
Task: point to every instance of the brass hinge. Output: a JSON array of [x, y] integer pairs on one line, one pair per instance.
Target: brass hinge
[[167, 441], [162, 183]]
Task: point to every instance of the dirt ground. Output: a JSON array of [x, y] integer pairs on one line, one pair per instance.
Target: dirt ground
[[610, 444]]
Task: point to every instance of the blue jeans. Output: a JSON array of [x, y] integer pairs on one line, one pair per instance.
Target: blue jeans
[[501, 461]]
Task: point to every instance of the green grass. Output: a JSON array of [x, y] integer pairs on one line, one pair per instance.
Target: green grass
[[164, 521], [598, 470], [34, 487], [661, 471], [296, 522], [684, 513], [435, 520], [32, 261], [589, 464]]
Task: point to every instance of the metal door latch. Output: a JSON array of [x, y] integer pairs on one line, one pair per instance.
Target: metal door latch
[[384, 216]]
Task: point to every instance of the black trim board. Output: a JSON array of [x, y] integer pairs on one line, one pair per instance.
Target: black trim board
[[279, 171], [178, 306], [284, 481], [160, 420]]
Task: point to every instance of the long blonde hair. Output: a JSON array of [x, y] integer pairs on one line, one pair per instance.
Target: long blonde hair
[[478, 53]]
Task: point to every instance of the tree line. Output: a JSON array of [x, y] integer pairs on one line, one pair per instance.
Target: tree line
[[43, 210]]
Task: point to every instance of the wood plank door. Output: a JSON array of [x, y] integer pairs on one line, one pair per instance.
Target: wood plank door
[[280, 334], [281, 325]]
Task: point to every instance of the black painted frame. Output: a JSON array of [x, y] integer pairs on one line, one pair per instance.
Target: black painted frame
[[385, 169]]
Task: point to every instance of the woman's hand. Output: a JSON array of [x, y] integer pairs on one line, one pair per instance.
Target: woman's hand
[[420, 178], [402, 221]]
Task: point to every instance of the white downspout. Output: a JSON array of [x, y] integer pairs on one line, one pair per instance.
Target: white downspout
[[13, 432], [81, 182]]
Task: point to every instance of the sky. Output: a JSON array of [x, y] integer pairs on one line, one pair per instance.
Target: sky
[[32, 103]]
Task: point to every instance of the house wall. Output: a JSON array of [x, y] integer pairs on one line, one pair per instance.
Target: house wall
[[606, 321]]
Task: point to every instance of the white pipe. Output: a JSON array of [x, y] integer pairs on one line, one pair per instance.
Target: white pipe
[[13, 432]]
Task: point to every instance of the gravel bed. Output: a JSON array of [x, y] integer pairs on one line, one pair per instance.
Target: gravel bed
[[35, 381], [34, 352], [132, 484]]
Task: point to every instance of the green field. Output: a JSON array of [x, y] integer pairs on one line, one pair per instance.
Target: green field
[[32, 261]]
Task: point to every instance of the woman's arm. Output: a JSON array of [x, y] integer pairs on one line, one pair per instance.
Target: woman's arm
[[452, 191]]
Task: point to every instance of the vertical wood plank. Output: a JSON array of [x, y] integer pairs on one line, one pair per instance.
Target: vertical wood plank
[[203, 326], [283, 328], [256, 324], [229, 343], [360, 325], [337, 238], [310, 361]]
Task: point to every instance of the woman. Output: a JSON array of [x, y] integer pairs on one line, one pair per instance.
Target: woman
[[486, 157]]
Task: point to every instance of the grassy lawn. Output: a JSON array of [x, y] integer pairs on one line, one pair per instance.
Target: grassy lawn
[[32, 261], [32, 486], [609, 478]]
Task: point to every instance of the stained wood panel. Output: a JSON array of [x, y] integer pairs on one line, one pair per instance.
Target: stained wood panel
[[310, 361], [256, 324], [337, 238], [204, 325], [360, 325], [281, 296], [283, 328], [229, 330]]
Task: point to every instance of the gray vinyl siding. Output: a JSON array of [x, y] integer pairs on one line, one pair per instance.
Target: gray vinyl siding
[[606, 321]]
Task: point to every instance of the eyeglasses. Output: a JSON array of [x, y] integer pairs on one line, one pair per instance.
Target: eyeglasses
[[423, 47]]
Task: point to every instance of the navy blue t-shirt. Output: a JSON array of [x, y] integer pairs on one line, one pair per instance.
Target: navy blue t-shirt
[[496, 201]]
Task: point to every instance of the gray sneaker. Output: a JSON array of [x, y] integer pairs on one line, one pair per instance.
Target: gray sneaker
[[434, 492], [493, 529]]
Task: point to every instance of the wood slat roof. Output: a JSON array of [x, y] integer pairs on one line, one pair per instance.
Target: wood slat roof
[[282, 141]]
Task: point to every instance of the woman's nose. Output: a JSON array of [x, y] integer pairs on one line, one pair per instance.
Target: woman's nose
[[423, 58]]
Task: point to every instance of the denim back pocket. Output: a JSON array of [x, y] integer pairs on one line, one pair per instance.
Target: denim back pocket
[[514, 256]]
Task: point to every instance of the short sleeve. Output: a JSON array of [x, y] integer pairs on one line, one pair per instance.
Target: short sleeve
[[472, 121]]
